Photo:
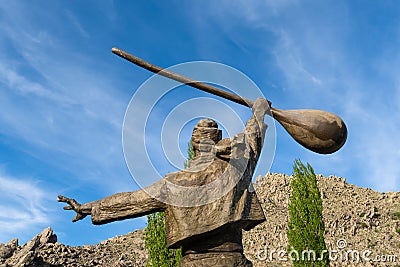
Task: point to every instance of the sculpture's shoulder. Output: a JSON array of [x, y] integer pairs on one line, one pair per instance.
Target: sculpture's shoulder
[[199, 173]]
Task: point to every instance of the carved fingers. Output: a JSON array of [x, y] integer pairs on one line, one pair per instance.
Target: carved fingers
[[78, 217], [72, 205]]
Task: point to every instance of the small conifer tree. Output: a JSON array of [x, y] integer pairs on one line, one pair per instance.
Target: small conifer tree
[[155, 238], [190, 152], [306, 228], [155, 242]]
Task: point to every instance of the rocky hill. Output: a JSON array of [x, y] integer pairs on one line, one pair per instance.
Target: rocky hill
[[356, 220], [362, 229]]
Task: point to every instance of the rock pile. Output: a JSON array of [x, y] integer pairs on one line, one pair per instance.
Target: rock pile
[[356, 220], [44, 250], [13, 255]]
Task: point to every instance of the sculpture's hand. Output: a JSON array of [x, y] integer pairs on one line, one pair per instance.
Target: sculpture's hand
[[73, 205], [261, 105]]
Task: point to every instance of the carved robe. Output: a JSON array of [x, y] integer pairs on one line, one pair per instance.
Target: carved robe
[[235, 208]]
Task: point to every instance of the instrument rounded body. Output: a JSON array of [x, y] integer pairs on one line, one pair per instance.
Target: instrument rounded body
[[317, 130]]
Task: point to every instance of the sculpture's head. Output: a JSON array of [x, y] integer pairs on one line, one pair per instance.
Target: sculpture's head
[[205, 135]]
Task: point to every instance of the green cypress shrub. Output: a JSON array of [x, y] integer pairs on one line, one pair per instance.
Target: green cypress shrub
[[155, 242], [306, 228], [190, 155]]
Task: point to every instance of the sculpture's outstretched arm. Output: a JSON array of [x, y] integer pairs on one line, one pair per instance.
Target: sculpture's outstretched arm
[[116, 207]]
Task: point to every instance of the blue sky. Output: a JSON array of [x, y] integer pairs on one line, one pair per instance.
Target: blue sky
[[63, 94]]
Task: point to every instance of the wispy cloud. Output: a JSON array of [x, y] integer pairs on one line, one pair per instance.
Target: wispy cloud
[[24, 206], [59, 102], [74, 20], [254, 11], [25, 87]]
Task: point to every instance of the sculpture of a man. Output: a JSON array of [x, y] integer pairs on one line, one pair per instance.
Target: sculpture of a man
[[210, 234]]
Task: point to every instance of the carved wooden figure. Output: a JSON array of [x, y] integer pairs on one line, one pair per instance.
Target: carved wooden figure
[[210, 234], [216, 194]]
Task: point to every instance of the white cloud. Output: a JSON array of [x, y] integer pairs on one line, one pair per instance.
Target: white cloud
[[59, 101], [253, 11], [25, 87], [74, 20], [25, 206]]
